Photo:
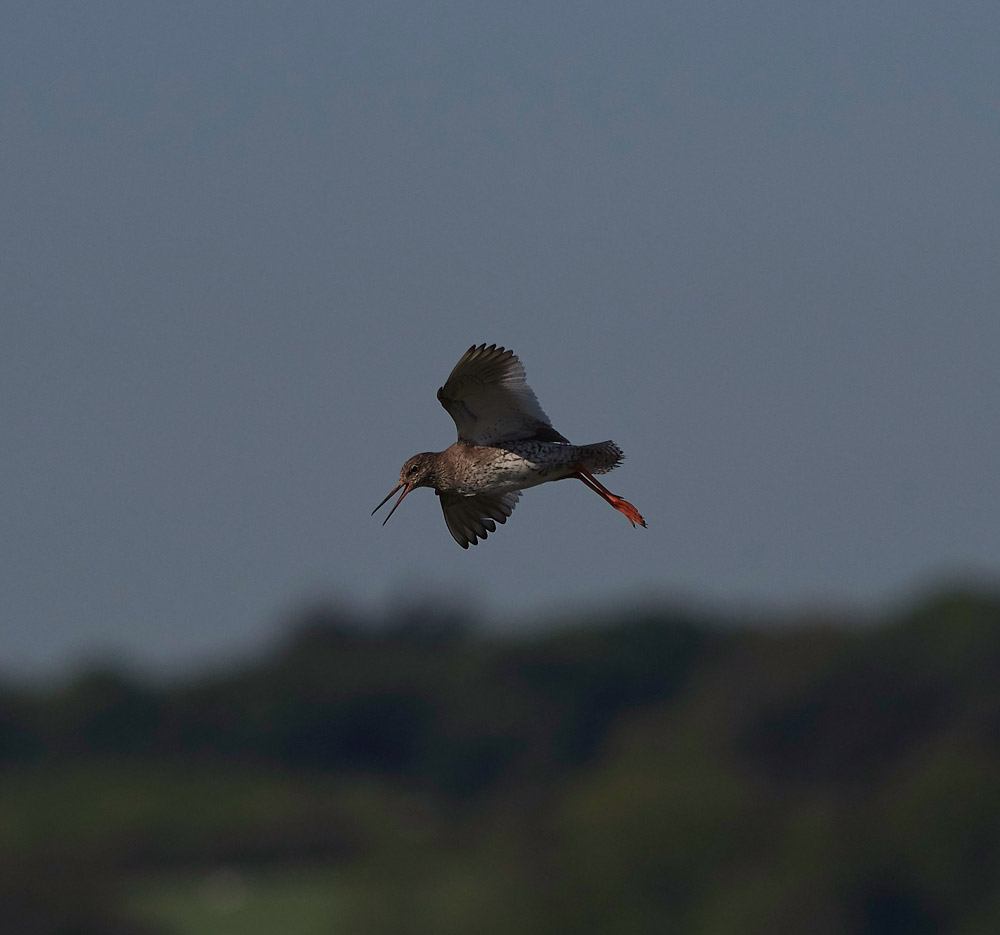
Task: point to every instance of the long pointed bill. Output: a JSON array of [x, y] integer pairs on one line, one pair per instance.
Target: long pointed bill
[[407, 489]]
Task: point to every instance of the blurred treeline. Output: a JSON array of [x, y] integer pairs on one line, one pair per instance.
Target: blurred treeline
[[638, 771]]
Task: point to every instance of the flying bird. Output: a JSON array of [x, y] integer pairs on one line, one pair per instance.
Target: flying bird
[[505, 444]]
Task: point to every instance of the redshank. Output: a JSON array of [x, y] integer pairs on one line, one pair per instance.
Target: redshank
[[505, 444]]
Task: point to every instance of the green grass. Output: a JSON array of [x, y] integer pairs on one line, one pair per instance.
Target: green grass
[[300, 901]]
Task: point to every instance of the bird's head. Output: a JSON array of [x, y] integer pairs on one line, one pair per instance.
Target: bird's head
[[418, 471]]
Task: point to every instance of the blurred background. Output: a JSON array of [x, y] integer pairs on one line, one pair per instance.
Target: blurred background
[[756, 246]]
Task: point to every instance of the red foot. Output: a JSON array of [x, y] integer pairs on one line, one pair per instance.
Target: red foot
[[623, 506], [619, 503]]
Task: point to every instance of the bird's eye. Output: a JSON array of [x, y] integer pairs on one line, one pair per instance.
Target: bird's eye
[[412, 469]]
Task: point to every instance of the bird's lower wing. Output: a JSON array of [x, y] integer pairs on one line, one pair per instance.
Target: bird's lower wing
[[469, 519]]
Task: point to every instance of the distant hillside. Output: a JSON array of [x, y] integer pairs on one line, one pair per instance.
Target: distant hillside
[[651, 771]]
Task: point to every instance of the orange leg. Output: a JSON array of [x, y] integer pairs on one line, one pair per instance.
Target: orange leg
[[619, 503]]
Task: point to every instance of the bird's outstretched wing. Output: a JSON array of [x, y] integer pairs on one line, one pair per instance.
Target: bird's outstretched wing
[[490, 401], [471, 518]]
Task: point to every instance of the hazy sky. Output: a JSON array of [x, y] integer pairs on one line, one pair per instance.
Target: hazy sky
[[757, 245]]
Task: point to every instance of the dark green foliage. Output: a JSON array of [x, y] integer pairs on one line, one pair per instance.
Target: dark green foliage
[[19, 734], [588, 677], [103, 713], [885, 692], [647, 772], [46, 895]]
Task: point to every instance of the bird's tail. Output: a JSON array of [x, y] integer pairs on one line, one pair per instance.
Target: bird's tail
[[600, 458]]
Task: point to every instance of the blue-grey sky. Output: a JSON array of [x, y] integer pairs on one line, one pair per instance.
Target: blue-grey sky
[[243, 244]]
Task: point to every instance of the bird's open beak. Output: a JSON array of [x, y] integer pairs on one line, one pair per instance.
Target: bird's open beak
[[406, 489]]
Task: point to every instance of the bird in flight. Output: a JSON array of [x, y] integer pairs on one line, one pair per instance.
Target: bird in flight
[[505, 444]]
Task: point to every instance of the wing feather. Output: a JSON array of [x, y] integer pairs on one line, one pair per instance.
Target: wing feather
[[471, 518], [490, 401]]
